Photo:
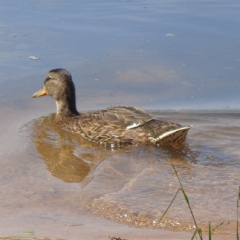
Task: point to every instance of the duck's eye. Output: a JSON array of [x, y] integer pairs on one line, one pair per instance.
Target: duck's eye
[[48, 78]]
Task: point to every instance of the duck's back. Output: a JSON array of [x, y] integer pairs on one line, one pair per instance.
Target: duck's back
[[118, 125]]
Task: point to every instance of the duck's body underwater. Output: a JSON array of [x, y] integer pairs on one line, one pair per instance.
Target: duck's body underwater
[[115, 125]]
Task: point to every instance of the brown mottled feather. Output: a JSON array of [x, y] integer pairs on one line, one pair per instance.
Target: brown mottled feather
[[110, 126], [115, 125]]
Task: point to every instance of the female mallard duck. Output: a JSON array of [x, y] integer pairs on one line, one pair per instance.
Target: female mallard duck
[[113, 126]]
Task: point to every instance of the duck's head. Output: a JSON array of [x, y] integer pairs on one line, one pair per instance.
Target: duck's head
[[59, 85]]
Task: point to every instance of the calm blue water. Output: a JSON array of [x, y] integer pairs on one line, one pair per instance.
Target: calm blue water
[[154, 54]]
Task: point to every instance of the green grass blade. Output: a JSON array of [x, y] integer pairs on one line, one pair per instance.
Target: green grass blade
[[200, 233], [194, 234], [238, 203], [185, 196], [187, 200], [209, 232], [218, 226], [167, 208]]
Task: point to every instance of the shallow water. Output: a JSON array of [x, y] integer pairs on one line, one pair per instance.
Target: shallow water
[[135, 185], [177, 56]]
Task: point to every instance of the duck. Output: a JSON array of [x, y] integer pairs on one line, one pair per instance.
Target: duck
[[114, 126]]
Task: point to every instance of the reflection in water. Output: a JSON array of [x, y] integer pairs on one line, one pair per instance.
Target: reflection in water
[[59, 151], [135, 185]]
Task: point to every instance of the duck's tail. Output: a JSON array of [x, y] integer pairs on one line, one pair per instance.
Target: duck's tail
[[172, 137]]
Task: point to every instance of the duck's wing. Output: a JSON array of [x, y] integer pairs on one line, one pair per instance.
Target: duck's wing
[[122, 117], [109, 125], [127, 117]]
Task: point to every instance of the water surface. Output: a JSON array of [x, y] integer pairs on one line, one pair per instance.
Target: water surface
[[135, 185], [179, 57]]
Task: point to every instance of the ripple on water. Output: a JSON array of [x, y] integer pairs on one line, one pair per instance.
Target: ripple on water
[[136, 185]]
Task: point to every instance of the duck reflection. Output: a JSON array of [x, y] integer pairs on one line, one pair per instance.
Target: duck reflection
[[67, 157]]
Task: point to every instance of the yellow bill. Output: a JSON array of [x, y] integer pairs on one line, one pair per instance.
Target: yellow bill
[[40, 93]]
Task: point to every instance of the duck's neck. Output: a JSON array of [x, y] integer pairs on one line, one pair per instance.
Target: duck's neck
[[67, 108]]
